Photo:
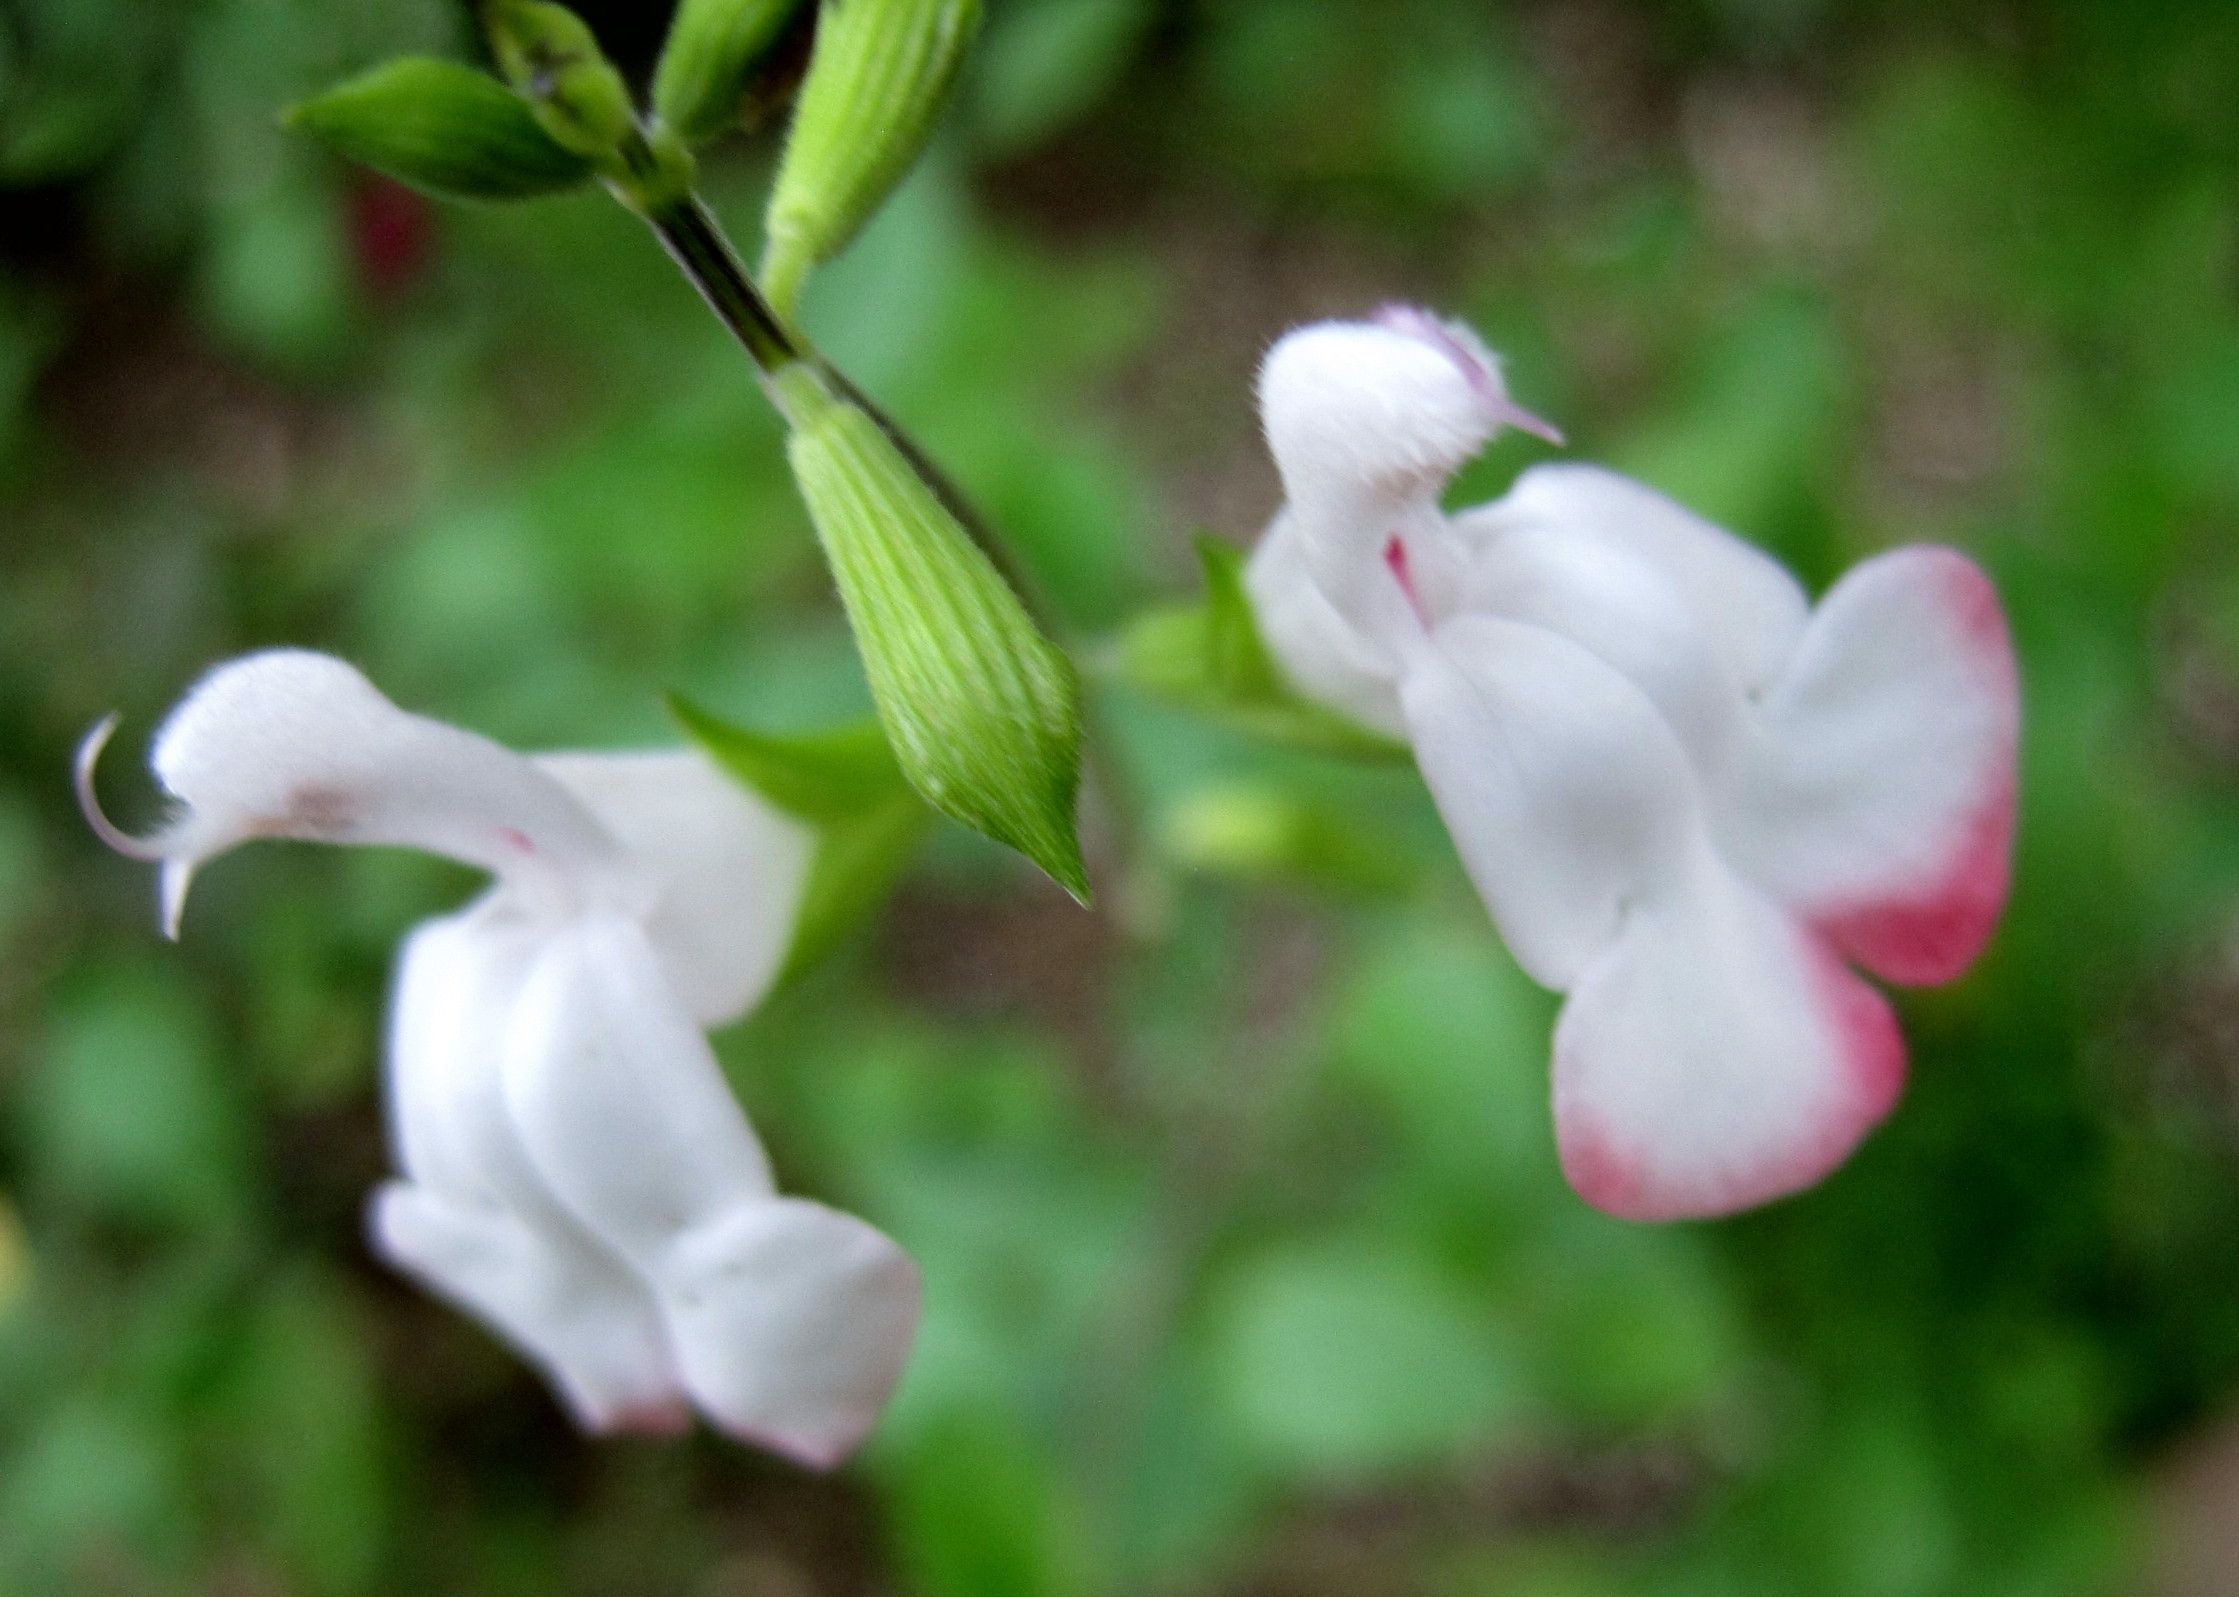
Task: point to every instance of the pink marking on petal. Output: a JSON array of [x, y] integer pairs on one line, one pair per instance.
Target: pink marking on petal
[[1412, 321], [672, 1417], [1930, 932], [1873, 1048], [517, 840], [1922, 939], [1395, 561], [1622, 1181], [1607, 1176]]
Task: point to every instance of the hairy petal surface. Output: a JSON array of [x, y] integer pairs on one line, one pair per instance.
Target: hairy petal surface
[[288, 743]]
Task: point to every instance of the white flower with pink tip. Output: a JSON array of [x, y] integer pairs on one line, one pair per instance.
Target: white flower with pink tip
[[1691, 800], [576, 1172]]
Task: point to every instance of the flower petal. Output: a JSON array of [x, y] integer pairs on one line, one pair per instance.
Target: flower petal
[[1325, 657], [1749, 608], [792, 1323], [617, 1097], [1620, 610], [589, 1325], [1716, 1057], [293, 744], [1879, 799], [1566, 794], [474, 1224], [789, 1322], [728, 871]]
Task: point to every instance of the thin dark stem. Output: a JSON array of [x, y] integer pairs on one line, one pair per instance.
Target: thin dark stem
[[697, 245], [696, 242]]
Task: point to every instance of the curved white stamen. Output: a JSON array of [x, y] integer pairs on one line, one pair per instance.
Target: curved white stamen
[[147, 849]]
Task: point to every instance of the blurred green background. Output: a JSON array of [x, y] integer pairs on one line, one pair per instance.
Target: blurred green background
[[1250, 1271]]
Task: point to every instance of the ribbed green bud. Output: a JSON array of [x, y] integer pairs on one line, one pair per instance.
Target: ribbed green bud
[[441, 127], [877, 76], [983, 712], [712, 50], [551, 58]]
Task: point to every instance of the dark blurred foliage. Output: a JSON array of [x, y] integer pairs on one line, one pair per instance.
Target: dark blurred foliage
[[1250, 1270]]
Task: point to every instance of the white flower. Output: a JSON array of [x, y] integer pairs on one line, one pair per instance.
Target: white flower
[[576, 1172], [1687, 797]]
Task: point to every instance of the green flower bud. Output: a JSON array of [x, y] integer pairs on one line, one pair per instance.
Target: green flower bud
[[441, 127], [712, 50], [876, 80], [1209, 657], [983, 712], [551, 58]]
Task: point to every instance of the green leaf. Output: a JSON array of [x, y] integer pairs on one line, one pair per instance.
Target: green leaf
[[444, 128], [838, 774], [858, 861], [1209, 657], [845, 783], [877, 77], [712, 51], [983, 712]]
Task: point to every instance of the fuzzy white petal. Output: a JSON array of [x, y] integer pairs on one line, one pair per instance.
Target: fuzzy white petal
[[727, 871], [293, 744], [1879, 798]]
